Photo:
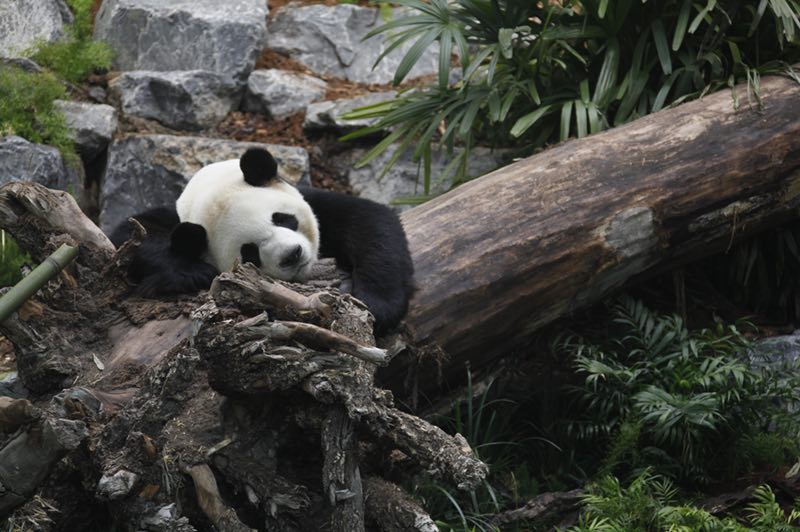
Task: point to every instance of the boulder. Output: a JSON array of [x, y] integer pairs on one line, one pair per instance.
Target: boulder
[[163, 35], [405, 177], [280, 93], [188, 100], [21, 160], [23, 22], [327, 115], [146, 171], [93, 125], [329, 40]]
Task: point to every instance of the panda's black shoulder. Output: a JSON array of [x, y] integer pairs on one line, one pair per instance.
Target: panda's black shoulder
[[169, 260], [367, 239]]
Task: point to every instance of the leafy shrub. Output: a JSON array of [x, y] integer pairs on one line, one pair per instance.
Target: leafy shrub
[[650, 503], [78, 55], [27, 110], [680, 401], [537, 72]]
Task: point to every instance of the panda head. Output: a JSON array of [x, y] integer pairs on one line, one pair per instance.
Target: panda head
[[251, 215]]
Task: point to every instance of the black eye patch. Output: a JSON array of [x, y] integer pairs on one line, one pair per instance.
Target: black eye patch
[[249, 253], [281, 219]]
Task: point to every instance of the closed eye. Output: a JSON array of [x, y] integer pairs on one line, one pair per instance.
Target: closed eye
[[282, 219]]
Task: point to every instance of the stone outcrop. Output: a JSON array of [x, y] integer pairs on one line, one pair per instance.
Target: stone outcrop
[[151, 170], [93, 125], [329, 40], [21, 160], [327, 114], [23, 22], [187, 100], [280, 93], [404, 179], [223, 37]]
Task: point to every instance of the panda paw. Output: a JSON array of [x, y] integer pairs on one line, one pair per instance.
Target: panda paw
[[189, 281]]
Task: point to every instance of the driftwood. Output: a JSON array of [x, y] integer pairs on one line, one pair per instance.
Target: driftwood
[[499, 257], [249, 407]]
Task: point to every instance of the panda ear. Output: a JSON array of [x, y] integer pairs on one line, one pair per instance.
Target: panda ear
[[259, 167]]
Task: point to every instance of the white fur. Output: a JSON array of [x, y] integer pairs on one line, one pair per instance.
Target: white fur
[[234, 213]]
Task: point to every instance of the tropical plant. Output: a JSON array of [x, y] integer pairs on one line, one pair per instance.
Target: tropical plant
[[533, 72], [77, 55], [650, 503], [680, 401]]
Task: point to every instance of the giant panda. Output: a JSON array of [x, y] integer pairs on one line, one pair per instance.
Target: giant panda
[[240, 210]]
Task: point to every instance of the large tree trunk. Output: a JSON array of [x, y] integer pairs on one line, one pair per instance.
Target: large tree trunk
[[503, 255]]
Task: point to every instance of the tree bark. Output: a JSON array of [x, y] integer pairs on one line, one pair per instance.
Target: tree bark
[[502, 255]]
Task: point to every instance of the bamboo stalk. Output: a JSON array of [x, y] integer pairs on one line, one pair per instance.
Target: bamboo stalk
[[49, 268]]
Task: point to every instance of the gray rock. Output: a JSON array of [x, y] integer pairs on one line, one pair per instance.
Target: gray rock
[[11, 386], [223, 37], [777, 352], [189, 100], [329, 40], [280, 93], [147, 171], [21, 160], [326, 115], [22, 63], [405, 177], [23, 22], [165, 519], [93, 125], [116, 486]]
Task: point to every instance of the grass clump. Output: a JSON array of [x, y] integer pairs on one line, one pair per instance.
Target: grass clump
[[27, 110], [77, 55]]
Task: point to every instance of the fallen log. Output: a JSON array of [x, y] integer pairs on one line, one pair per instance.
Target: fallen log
[[502, 255]]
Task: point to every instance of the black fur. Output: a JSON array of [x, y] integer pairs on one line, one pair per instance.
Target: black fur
[[258, 166], [364, 237], [169, 260]]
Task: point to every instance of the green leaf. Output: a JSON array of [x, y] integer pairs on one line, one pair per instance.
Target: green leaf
[[414, 53], [601, 10], [681, 24], [566, 116], [504, 40], [607, 78], [580, 118], [662, 48], [526, 122], [445, 48]]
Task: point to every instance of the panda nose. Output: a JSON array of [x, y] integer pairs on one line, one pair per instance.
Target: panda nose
[[292, 258]]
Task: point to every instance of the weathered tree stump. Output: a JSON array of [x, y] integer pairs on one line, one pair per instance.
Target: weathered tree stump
[[248, 407]]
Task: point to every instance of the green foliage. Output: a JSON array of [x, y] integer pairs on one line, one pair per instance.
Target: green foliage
[[650, 503], [538, 72], [77, 55], [488, 425], [11, 260], [27, 110], [680, 401]]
